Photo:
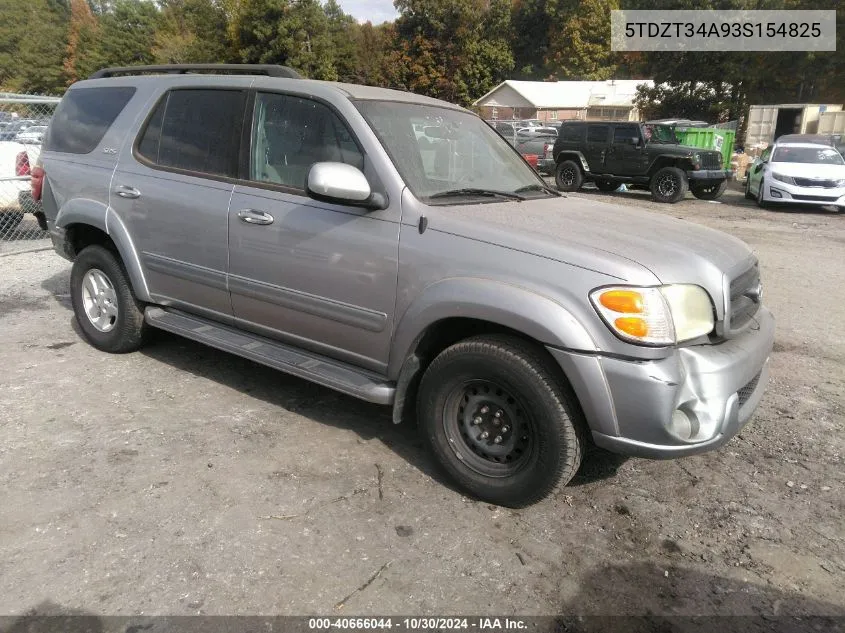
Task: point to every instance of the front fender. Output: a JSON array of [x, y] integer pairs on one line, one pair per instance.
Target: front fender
[[514, 307]]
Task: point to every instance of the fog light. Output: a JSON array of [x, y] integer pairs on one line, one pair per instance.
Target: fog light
[[681, 425], [775, 193]]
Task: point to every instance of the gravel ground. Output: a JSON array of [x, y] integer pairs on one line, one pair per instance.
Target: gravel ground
[[182, 480]]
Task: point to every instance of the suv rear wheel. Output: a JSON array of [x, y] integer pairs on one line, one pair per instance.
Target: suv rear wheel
[[110, 316], [709, 190], [495, 414], [568, 176], [669, 184]]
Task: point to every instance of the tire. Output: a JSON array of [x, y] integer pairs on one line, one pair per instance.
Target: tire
[[9, 222], [710, 191], [669, 185], [748, 194], [606, 185], [568, 176], [759, 198], [99, 285], [541, 423]]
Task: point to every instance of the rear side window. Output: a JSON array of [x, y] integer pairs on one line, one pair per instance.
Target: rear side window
[[597, 133], [84, 116], [572, 133], [195, 130]]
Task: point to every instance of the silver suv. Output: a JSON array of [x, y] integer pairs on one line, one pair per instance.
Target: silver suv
[[395, 248]]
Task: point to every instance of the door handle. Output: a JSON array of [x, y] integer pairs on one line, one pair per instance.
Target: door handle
[[251, 216], [125, 191]]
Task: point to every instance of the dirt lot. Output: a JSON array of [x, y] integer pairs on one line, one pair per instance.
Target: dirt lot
[[182, 480]]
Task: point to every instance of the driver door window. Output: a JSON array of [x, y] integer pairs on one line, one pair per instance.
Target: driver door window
[[290, 134]]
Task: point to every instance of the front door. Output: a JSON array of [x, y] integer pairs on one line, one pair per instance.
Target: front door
[[314, 274], [172, 189], [624, 157], [595, 149]]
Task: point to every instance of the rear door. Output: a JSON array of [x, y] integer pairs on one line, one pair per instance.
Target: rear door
[[596, 146], [315, 274], [172, 190]]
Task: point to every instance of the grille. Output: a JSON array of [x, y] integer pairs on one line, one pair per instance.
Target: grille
[[795, 196], [812, 182], [742, 306], [745, 393], [711, 160]]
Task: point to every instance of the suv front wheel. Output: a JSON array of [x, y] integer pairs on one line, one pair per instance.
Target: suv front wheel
[[669, 184], [109, 315], [496, 414], [568, 176]]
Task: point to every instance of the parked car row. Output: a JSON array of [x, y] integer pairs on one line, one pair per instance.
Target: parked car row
[[23, 130]]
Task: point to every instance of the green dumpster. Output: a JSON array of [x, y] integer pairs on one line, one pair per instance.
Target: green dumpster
[[709, 138]]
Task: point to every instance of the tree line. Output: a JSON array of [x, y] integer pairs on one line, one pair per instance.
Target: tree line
[[451, 49]]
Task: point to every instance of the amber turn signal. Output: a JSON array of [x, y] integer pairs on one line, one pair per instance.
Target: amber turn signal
[[624, 301], [634, 326]]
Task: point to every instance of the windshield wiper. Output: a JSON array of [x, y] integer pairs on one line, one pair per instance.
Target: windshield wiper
[[545, 188], [469, 191]]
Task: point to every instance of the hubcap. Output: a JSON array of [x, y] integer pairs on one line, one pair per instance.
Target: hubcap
[[667, 185], [488, 428], [99, 300]]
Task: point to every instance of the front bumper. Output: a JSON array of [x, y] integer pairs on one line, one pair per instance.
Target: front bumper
[[693, 401], [777, 191], [710, 174]]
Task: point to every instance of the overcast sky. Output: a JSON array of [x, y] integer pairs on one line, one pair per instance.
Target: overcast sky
[[376, 11]]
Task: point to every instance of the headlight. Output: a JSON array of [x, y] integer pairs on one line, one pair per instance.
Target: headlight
[[787, 179], [664, 315], [840, 182]]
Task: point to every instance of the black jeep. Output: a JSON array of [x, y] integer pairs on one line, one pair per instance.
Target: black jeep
[[647, 156]]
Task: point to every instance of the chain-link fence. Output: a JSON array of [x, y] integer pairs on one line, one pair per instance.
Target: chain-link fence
[[23, 122]]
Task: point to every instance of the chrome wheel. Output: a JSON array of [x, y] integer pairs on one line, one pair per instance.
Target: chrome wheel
[[99, 300], [667, 185], [488, 428]]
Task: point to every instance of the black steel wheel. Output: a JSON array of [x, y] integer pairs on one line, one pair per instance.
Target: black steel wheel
[[501, 419], [568, 176], [669, 184]]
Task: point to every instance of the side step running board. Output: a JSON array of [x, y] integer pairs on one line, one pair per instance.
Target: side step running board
[[291, 360]]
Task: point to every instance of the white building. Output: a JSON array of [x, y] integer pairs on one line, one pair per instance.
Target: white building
[[554, 100]]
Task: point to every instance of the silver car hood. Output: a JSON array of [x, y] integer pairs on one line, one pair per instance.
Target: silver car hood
[[619, 241]]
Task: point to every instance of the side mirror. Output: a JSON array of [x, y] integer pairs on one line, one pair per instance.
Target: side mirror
[[635, 141], [342, 184]]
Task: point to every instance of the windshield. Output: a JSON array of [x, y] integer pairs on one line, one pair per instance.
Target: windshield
[[659, 134], [821, 155], [439, 150]]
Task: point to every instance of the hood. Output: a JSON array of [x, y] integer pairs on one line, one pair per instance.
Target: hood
[[809, 170], [635, 246]]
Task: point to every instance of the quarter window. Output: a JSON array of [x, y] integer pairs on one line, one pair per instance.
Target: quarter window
[[195, 130], [290, 134], [84, 116]]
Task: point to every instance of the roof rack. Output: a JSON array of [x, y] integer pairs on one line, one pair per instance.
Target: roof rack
[[270, 70]]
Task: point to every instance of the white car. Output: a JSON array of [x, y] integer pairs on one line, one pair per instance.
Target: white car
[[34, 134], [16, 163], [796, 172]]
